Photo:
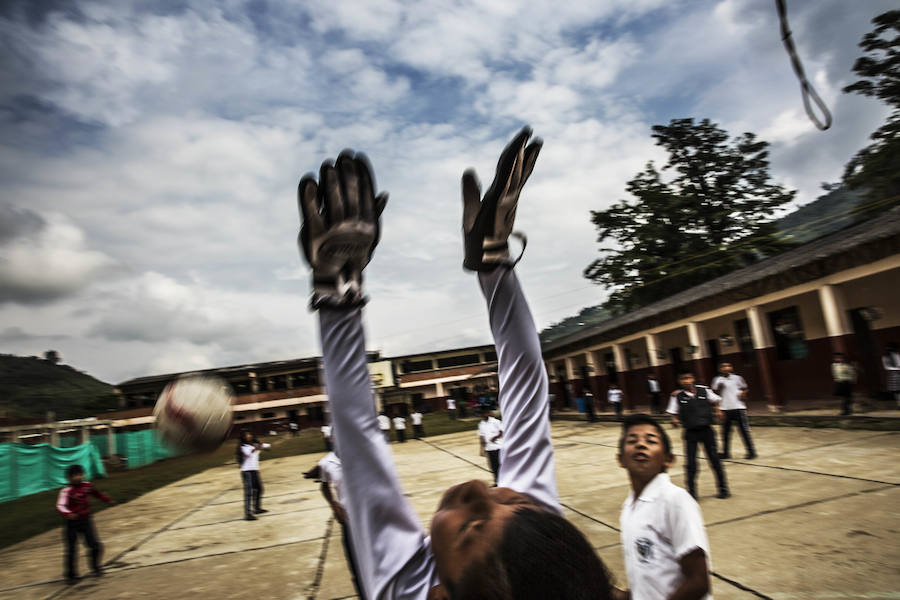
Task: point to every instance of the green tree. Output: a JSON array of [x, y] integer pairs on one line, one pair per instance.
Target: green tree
[[713, 215], [876, 168]]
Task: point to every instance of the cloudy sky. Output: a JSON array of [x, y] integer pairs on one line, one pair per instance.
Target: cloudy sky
[[150, 152]]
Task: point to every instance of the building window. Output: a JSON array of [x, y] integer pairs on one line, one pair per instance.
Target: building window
[[305, 379], [268, 415], [241, 387], [239, 417], [411, 366], [490, 356], [787, 331], [458, 361]]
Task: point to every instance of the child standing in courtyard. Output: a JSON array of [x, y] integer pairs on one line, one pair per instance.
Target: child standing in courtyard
[[418, 428], [692, 407], [663, 537], [74, 505], [615, 396]]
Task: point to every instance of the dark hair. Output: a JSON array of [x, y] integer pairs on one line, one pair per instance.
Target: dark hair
[[644, 419], [683, 372], [540, 556], [74, 470]]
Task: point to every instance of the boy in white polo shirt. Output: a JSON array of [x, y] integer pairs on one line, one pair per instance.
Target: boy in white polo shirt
[[663, 537], [418, 429], [490, 430], [400, 427], [733, 390]]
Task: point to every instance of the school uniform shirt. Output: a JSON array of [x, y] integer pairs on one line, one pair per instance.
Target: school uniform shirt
[[326, 430], [658, 529], [251, 456], [653, 385], [730, 388], [487, 430], [416, 418], [399, 423], [843, 372], [73, 499], [331, 471], [614, 396], [451, 404], [394, 555], [384, 423], [711, 396]]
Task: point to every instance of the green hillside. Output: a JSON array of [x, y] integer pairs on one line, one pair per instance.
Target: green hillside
[[839, 208], [31, 386]]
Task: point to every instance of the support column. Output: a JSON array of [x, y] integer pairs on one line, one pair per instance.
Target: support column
[[439, 389], [653, 346], [835, 311], [765, 358], [54, 436], [697, 339], [110, 440], [84, 434], [571, 376], [592, 371]]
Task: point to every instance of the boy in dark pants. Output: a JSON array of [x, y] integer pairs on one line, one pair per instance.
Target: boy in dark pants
[[733, 390], [692, 406], [73, 504]]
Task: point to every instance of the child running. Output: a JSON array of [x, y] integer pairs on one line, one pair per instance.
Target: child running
[[74, 505], [663, 537], [494, 543]]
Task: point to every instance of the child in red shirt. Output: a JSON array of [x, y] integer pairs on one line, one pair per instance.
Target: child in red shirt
[[73, 504]]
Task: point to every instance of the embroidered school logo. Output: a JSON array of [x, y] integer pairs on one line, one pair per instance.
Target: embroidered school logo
[[644, 549]]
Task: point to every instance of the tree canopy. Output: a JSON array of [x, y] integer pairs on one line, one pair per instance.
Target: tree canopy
[[714, 214], [877, 166]]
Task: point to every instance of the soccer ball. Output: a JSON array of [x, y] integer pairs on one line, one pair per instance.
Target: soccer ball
[[194, 412]]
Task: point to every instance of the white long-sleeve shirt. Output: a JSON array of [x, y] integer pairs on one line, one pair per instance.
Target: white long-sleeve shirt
[[393, 553], [251, 456]]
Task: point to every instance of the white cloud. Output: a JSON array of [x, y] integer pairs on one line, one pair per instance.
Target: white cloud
[[168, 145], [50, 262]]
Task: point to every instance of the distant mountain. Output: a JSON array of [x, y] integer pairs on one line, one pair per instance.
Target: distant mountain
[[591, 315], [828, 213], [31, 386]]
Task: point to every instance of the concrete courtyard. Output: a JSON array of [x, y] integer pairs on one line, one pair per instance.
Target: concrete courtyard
[[816, 516]]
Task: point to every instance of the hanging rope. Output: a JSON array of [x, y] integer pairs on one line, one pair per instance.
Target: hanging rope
[[808, 90]]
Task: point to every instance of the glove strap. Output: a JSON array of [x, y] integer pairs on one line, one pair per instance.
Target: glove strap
[[336, 293]]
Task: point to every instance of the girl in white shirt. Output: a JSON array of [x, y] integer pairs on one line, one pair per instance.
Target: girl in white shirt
[[248, 454], [497, 543]]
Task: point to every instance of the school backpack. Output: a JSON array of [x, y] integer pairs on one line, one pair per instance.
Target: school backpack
[[694, 411]]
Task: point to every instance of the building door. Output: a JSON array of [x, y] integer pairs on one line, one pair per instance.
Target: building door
[[712, 349], [866, 353], [675, 357], [612, 376]]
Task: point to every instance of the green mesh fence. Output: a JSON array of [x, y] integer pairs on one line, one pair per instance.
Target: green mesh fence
[[142, 448], [27, 469]]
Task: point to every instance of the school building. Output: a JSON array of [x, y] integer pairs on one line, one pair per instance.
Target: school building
[[267, 395], [778, 322], [270, 395], [426, 380]]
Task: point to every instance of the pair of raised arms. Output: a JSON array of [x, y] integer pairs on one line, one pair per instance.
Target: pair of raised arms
[[341, 219]]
